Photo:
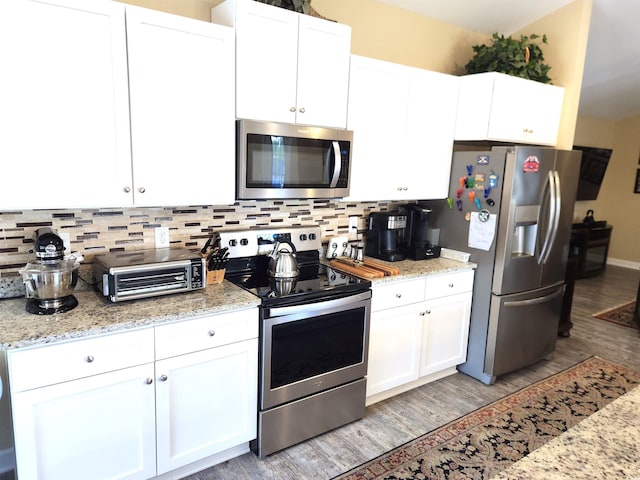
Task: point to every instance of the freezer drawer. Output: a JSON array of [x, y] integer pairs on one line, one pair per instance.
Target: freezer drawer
[[523, 328]]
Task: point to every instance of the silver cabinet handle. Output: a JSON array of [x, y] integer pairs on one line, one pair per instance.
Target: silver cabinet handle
[[422, 314], [163, 378], [302, 110], [398, 295], [212, 333], [451, 285], [149, 381], [292, 109], [405, 188], [89, 358], [428, 312], [127, 189], [142, 190]]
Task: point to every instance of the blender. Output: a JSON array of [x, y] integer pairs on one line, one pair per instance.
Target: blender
[[50, 279]]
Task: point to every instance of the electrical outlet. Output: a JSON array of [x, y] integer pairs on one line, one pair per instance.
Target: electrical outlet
[[162, 237], [353, 228]]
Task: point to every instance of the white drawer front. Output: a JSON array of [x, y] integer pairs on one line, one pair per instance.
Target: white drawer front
[[206, 332], [47, 365], [397, 294], [449, 284]]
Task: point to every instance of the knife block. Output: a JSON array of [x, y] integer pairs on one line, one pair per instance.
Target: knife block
[[215, 276]]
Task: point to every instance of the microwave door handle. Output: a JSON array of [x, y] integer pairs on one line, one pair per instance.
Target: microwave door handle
[[337, 164]]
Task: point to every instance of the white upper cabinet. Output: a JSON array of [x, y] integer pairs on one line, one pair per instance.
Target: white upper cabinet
[[181, 80], [64, 116], [74, 70], [290, 68], [495, 106], [403, 119]]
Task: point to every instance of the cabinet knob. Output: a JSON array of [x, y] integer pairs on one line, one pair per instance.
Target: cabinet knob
[[142, 190], [451, 285], [399, 189], [398, 295], [89, 358], [163, 378], [302, 110], [405, 188], [292, 109], [428, 312], [127, 189], [212, 333], [422, 314], [149, 381]]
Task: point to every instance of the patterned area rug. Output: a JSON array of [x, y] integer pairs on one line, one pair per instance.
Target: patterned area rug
[[485, 442], [622, 315]]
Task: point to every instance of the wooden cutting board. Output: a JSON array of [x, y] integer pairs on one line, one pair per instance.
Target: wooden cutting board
[[377, 264], [359, 270]]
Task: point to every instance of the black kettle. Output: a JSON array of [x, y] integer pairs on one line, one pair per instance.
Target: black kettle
[[589, 221]]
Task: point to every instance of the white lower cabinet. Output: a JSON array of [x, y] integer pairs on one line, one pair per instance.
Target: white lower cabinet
[[118, 407], [205, 402], [417, 339], [100, 427]]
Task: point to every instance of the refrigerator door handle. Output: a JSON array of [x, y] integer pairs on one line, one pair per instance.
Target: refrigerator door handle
[[548, 194], [534, 301], [556, 206]]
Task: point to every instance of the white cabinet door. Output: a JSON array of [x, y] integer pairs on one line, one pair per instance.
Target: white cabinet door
[[403, 120], [100, 427], [394, 348], [445, 332], [266, 62], [181, 79], [377, 114], [323, 72], [64, 117], [206, 402], [496, 106], [290, 68]]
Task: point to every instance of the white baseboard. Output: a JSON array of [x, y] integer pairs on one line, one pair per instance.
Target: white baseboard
[[623, 263]]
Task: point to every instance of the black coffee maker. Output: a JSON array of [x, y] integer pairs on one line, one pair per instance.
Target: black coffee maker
[[413, 239], [383, 232]]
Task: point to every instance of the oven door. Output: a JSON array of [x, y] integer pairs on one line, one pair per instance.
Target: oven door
[[291, 161], [311, 347]]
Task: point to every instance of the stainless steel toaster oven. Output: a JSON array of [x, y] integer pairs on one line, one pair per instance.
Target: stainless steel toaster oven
[[148, 273]]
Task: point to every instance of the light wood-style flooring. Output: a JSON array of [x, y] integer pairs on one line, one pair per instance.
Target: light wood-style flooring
[[393, 422]]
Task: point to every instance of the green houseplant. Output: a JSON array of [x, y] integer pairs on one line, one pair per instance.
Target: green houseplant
[[520, 58]]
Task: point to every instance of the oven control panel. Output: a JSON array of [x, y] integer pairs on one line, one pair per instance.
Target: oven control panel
[[249, 243]]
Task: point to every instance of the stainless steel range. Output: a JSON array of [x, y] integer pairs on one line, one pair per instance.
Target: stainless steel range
[[314, 335]]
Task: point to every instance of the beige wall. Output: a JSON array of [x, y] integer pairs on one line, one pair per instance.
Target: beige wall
[[567, 31], [616, 202]]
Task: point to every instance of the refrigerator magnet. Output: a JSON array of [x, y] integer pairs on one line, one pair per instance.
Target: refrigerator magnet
[[531, 164], [482, 160]]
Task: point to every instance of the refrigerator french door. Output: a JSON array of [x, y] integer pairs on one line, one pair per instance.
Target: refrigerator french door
[[526, 196]]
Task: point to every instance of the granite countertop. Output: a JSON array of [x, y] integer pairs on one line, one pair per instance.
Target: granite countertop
[[95, 315], [603, 445], [414, 269]]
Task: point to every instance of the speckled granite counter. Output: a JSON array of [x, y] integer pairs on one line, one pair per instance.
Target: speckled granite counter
[[412, 269], [94, 315], [604, 445]]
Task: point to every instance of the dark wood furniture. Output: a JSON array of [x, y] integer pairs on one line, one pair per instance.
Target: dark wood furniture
[[564, 327], [590, 246]]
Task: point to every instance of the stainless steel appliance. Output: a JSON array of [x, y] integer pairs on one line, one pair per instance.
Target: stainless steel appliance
[[148, 273], [50, 280], [314, 337], [511, 208], [383, 235], [277, 160]]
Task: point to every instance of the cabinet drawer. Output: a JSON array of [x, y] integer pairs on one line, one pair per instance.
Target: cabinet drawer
[[206, 332], [449, 284], [397, 294], [37, 367]]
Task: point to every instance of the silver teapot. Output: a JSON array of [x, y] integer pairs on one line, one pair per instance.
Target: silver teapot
[[282, 262]]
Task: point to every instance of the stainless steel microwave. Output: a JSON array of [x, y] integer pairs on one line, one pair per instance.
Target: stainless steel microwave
[[278, 160]]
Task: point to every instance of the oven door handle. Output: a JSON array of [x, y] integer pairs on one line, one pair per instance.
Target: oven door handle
[[319, 306]]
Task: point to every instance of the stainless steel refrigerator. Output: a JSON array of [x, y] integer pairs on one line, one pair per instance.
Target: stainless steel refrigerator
[[511, 208]]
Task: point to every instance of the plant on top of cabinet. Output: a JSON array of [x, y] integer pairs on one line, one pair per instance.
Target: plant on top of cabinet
[[520, 58]]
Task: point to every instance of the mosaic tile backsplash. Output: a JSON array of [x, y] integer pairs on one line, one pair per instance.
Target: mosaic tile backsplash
[[95, 231]]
